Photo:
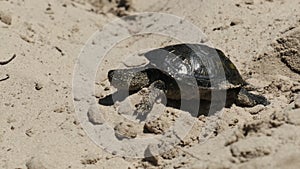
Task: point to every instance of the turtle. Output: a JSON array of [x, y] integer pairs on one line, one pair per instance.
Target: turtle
[[188, 71]]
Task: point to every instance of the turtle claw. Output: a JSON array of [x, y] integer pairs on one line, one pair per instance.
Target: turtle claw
[[247, 99]]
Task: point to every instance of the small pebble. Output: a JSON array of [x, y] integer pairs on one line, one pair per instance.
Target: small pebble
[[90, 159], [76, 99], [35, 163], [249, 2], [236, 22], [5, 18], [151, 156], [134, 61], [125, 130], [95, 116], [256, 109]]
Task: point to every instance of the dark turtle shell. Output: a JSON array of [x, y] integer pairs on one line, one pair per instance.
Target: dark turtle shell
[[188, 73], [185, 62]]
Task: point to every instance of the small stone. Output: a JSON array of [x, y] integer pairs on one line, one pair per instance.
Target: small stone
[[95, 116], [256, 109], [125, 130], [49, 10], [75, 122], [235, 22], [76, 99], [249, 2], [5, 18], [134, 61], [158, 125], [35, 163], [125, 107], [90, 159], [150, 155], [26, 39]]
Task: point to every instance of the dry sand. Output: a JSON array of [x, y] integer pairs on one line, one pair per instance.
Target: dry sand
[[40, 129]]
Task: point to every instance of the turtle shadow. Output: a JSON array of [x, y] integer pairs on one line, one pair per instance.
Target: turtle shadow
[[195, 107], [110, 100]]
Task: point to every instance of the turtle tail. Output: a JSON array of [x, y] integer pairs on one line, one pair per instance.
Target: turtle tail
[[247, 99]]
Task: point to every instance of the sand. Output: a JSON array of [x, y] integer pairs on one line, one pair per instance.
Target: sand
[[40, 126]]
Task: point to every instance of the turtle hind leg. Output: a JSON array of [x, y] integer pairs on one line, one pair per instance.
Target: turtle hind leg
[[247, 99]]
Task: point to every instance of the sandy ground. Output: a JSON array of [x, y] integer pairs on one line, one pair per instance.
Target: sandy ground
[[39, 126]]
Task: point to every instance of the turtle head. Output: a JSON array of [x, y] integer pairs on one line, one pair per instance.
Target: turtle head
[[128, 79]]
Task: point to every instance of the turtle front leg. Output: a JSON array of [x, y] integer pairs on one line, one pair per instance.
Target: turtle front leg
[[155, 90], [247, 99]]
